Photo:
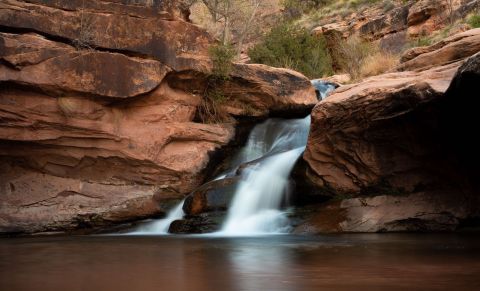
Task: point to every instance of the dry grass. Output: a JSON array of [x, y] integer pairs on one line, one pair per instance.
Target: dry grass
[[361, 59], [211, 109], [378, 63], [350, 54]]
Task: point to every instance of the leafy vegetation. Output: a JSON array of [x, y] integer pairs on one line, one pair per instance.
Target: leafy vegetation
[[474, 20], [291, 46], [210, 110], [222, 56]]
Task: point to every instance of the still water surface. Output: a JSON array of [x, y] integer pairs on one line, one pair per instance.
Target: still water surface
[[282, 262]]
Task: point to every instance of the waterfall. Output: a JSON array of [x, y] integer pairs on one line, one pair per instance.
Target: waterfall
[[272, 149], [256, 205], [161, 226], [322, 88], [276, 144]]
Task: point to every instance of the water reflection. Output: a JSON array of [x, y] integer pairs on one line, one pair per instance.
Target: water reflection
[[348, 262], [261, 267]]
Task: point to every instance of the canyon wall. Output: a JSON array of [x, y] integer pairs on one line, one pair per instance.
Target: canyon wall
[[99, 110], [397, 151]]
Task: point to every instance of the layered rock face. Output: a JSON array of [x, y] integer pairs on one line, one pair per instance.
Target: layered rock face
[[396, 151], [98, 106], [393, 27]]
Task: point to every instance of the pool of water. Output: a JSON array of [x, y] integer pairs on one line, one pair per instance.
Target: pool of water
[[282, 262]]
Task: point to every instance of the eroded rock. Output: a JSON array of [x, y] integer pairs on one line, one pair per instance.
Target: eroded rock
[[139, 29], [97, 126], [396, 152], [451, 49], [53, 66], [419, 212]]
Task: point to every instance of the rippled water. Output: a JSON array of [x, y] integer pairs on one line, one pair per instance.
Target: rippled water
[[345, 262]]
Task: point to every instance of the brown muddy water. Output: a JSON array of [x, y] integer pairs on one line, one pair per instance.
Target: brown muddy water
[[282, 262]]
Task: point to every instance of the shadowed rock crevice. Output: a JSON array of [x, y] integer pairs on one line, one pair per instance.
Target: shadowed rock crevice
[[398, 152]]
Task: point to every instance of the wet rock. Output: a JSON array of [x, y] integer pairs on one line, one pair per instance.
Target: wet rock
[[212, 196], [420, 212], [204, 223]]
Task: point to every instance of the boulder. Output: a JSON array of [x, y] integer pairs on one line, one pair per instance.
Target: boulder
[[385, 24], [419, 212], [426, 16], [212, 196], [266, 88], [451, 49], [394, 43], [348, 147], [203, 223], [423, 10], [35, 61], [396, 152], [339, 79], [142, 29], [256, 90]]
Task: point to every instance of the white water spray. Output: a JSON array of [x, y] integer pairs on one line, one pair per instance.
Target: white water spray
[[271, 151], [161, 226], [256, 206]]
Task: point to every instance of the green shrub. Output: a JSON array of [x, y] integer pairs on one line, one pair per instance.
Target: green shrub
[[474, 20], [222, 56], [293, 47]]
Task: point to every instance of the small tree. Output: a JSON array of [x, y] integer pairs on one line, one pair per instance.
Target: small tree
[[234, 20], [293, 47], [222, 56]]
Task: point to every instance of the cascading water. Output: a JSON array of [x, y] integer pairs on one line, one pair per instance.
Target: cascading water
[[323, 88], [255, 209], [266, 161], [161, 226], [256, 206]]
